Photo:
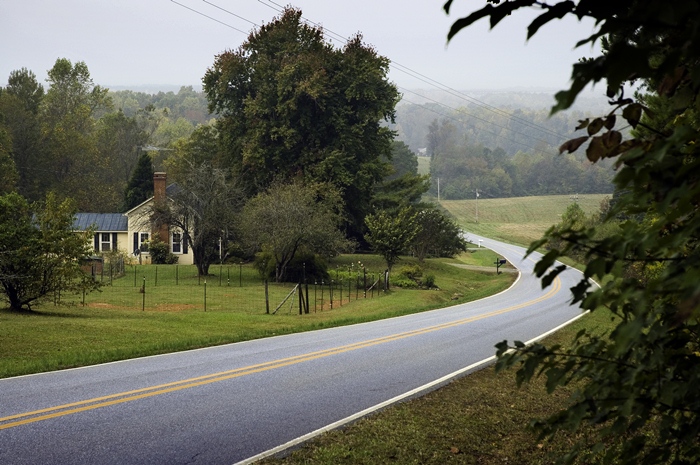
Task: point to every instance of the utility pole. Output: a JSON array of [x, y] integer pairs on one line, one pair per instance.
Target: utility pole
[[477, 205]]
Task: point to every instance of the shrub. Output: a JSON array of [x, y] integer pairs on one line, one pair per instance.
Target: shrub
[[160, 253], [408, 276], [304, 265]]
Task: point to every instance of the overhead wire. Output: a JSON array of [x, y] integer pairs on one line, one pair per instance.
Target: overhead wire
[[209, 17], [464, 112], [406, 70], [423, 78], [452, 117]]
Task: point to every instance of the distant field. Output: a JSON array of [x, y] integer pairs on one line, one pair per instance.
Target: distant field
[[518, 219], [423, 165]]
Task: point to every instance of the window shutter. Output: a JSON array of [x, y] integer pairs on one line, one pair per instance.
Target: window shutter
[[184, 243], [136, 242], [114, 241], [97, 242]]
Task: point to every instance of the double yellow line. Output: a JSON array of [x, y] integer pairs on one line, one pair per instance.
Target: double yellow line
[[129, 396]]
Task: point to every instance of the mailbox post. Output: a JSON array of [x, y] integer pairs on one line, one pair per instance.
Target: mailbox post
[[499, 262]]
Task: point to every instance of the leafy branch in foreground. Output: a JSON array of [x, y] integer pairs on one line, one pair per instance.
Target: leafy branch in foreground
[[637, 385]]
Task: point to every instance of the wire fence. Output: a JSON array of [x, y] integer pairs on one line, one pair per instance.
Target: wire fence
[[227, 288]]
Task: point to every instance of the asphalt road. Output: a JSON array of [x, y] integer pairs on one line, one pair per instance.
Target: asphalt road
[[226, 404]]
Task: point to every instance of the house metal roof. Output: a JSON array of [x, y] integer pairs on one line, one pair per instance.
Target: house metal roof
[[103, 222]]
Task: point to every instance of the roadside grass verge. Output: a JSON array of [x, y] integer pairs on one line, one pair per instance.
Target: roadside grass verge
[[482, 418], [112, 326]]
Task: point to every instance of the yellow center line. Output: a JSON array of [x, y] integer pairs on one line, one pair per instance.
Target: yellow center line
[[128, 396]]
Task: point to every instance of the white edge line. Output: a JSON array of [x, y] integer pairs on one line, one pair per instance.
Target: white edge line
[[386, 403]]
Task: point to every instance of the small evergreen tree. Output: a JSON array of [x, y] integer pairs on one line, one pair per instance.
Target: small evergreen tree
[[140, 186]]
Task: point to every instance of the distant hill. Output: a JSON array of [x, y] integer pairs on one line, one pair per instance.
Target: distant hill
[[514, 120]]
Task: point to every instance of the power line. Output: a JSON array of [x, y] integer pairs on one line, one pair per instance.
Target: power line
[[209, 17], [474, 100], [398, 67], [479, 118], [232, 13], [453, 118]]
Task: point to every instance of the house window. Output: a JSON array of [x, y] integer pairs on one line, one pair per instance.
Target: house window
[[177, 242], [143, 242], [105, 242]]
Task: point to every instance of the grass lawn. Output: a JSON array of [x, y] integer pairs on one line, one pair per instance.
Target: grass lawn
[[112, 325]]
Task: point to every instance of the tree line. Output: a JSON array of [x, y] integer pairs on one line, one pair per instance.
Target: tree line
[[466, 160]]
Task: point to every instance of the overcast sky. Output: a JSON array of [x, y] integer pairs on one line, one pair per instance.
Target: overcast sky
[[159, 42]]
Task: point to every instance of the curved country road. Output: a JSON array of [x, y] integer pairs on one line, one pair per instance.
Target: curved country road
[[226, 404]]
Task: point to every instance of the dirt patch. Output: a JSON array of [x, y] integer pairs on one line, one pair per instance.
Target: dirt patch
[[102, 305], [172, 307], [151, 308]]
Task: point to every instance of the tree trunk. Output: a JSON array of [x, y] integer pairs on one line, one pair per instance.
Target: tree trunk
[[15, 300]]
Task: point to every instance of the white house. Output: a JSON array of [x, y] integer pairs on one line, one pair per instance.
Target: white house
[[131, 232]]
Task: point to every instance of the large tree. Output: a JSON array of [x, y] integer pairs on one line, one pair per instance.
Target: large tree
[[73, 166], [19, 108], [293, 106], [436, 235], [39, 251], [637, 385], [204, 206]]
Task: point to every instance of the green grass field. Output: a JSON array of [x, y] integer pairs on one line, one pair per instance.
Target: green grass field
[[423, 165], [519, 220]]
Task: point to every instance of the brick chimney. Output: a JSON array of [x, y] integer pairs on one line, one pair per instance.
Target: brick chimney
[[160, 202]]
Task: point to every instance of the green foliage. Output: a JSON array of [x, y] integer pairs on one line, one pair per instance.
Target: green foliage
[[19, 108], [389, 235], [640, 380], [72, 163], [140, 185], [119, 140], [408, 276], [403, 161], [204, 207], [436, 235], [160, 253], [202, 146], [289, 218], [293, 106], [305, 266], [39, 252], [8, 172], [464, 166]]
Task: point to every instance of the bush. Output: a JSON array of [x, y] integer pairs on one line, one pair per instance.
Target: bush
[[429, 281], [304, 264], [408, 276], [160, 253]]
